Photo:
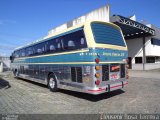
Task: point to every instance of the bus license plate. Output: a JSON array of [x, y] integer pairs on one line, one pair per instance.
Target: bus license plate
[[114, 76]]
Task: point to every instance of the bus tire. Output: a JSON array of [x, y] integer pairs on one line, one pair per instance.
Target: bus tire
[[52, 83]]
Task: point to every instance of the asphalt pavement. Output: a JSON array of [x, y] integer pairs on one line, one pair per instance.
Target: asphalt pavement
[[18, 96]]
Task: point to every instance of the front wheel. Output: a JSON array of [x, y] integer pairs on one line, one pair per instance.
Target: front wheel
[[52, 83]]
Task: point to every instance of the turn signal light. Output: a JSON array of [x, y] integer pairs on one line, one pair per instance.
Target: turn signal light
[[97, 60], [97, 82], [97, 67], [97, 75]]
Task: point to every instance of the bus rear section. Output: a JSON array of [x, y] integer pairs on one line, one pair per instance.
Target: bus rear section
[[110, 54], [107, 75]]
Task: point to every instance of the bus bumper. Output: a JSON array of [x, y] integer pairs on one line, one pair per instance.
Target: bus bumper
[[107, 88]]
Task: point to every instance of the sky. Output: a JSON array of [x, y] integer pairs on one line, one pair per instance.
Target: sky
[[24, 21]]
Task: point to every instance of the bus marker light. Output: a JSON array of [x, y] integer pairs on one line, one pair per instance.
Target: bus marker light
[[97, 75], [97, 60], [97, 67], [97, 82]]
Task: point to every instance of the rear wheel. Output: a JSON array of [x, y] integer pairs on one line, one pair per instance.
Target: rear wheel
[[52, 83]]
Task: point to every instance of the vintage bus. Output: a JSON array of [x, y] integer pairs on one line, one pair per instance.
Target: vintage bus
[[90, 58]]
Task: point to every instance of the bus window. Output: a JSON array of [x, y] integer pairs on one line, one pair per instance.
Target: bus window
[[20, 53], [52, 48], [83, 43], [17, 54], [40, 48], [23, 53], [107, 34], [75, 41], [29, 51], [58, 45], [71, 44], [54, 45]]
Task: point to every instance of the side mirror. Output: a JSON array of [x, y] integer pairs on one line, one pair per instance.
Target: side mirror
[[11, 58]]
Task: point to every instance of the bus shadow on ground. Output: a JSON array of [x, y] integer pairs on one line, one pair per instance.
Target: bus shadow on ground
[[4, 84], [90, 97], [32, 82]]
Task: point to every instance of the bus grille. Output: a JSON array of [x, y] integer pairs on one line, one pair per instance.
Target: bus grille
[[79, 74], [73, 74], [122, 70], [76, 73], [105, 72]]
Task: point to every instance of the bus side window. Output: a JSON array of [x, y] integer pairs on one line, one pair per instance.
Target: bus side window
[[71, 44], [23, 53], [62, 44], [40, 48], [43, 48], [29, 51], [16, 54], [54, 45], [83, 43], [52, 48], [58, 45], [75, 41]]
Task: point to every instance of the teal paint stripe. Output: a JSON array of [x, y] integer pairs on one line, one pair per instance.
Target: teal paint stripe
[[105, 55]]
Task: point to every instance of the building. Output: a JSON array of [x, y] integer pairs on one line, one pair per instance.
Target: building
[[4, 64], [143, 41]]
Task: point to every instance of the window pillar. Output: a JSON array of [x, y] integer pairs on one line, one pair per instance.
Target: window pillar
[[144, 53]]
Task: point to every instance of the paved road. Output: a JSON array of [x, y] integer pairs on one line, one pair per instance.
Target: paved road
[[145, 74], [142, 95]]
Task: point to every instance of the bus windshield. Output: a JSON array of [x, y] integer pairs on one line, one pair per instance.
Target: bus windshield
[[107, 34]]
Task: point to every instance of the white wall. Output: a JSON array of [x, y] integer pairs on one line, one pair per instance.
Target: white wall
[[4, 64], [148, 66], [155, 50], [135, 49], [101, 14]]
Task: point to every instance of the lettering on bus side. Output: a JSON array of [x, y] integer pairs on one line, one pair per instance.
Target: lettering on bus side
[[113, 54]]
